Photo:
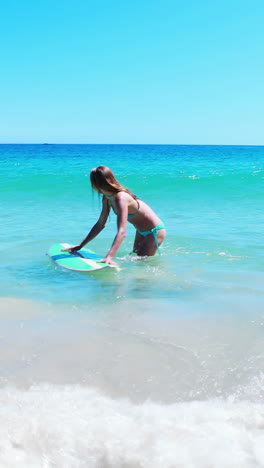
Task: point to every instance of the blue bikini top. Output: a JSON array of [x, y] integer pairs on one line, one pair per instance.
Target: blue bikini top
[[129, 216]]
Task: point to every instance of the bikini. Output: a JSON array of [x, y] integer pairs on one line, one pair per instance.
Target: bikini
[[153, 231], [129, 216]]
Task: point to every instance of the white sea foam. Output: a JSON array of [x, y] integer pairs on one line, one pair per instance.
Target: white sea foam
[[73, 426]]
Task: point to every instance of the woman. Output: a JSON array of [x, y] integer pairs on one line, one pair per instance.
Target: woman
[[150, 229]]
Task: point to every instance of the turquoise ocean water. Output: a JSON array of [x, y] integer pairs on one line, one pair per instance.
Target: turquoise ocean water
[[159, 364]]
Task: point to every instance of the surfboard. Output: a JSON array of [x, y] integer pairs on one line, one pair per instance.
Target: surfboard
[[83, 260]]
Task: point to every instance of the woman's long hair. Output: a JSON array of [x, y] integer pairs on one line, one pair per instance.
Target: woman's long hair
[[102, 178]]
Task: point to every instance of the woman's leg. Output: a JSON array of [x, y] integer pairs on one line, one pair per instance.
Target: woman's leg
[[137, 242], [146, 245]]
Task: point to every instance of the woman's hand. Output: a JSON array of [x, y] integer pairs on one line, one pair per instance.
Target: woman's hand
[[107, 260], [74, 248]]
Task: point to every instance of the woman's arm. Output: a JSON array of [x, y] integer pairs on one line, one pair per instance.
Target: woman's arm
[[96, 229], [122, 211]]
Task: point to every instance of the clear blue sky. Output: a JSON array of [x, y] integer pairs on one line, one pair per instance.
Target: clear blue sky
[[141, 71]]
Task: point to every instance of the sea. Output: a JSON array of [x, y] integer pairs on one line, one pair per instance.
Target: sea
[[156, 364]]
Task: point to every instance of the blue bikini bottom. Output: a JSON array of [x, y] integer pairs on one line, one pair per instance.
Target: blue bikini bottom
[[154, 233]]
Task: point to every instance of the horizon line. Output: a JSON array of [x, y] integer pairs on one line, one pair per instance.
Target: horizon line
[[137, 144]]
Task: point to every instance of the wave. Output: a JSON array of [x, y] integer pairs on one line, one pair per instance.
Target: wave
[[74, 426]]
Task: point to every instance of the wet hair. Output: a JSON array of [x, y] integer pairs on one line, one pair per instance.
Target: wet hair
[[102, 178]]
